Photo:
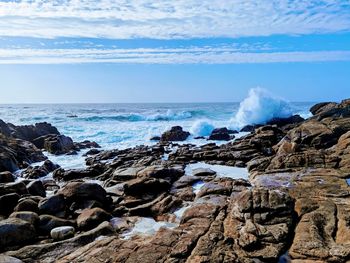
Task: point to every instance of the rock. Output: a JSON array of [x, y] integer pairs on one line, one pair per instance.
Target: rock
[[8, 259], [29, 217], [55, 144], [16, 187], [49, 222], [31, 132], [220, 134], [203, 172], [155, 138], [174, 134], [4, 128], [62, 233], [249, 128], [319, 107], [86, 145], [285, 121], [80, 191], [92, 152], [90, 218], [16, 154], [144, 185], [91, 171], [27, 205], [53, 205], [36, 188], [6, 177], [261, 221], [14, 231], [8, 202]]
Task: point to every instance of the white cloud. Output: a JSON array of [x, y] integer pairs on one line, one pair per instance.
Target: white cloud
[[167, 19], [193, 55]]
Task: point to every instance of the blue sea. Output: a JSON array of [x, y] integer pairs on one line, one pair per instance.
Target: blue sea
[[127, 125]]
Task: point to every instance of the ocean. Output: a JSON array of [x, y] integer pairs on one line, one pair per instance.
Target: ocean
[[127, 125]]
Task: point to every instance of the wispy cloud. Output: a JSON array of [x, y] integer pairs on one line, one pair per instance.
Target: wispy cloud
[[163, 56], [168, 19]]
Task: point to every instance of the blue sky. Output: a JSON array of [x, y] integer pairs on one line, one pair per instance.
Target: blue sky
[[173, 51]]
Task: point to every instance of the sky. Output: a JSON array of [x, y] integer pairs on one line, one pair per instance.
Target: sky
[[66, 51]]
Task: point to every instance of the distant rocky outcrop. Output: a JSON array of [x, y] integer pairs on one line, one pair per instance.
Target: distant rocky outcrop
[[176, 133]]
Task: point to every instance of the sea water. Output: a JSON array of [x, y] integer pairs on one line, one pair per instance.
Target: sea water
[[127, 125]]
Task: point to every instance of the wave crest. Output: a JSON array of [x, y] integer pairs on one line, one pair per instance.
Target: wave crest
[[201, 128], [259, 107]]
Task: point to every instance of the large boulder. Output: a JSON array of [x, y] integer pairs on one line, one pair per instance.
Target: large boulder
[[55, 144], [29, 217], [81, 191], [220, 134], [6, 177], [145, 185], [261, 222], [39, 171], [14, 231], [8, 202], [49, 222], [176, 133], [36, 188], [90, 218], [53, 205]]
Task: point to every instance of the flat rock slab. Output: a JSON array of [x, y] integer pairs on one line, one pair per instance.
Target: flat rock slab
[[203, 172]]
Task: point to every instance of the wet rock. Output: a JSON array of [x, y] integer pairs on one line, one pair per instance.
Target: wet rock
[[62, 233], [92, 152], [80, 191], [90, 218], [53, 205], [8, 202], [285, 121], [68, 175], [203, 172], [36, 188], [175, 134], [26, 205], [31, 132], [155, 138], [49, 222], [6, 177], [14, 231], [55, 144], [144, 185], [220, 134], [29, 217], [16, 154], [319, 107], [86, 145]]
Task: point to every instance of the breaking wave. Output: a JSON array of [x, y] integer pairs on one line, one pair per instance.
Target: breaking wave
[[259, 107]]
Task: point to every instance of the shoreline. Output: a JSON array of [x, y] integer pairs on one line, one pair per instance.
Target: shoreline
[[295, 198]]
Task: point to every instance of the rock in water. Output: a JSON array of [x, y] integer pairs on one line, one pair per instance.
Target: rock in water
[[220, 134], [175, 134]]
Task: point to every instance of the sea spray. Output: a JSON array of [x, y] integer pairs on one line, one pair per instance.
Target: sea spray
[[259, 107], [201, 128]]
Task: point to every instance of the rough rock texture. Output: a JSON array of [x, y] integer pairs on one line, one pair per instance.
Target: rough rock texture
[[174, 134]]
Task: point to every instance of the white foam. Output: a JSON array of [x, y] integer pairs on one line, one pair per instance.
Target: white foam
[[259, 107], [147, 227], [201, 128]]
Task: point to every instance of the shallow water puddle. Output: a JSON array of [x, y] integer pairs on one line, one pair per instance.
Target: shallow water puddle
[[146, 226], [197, 186], [221, 170]]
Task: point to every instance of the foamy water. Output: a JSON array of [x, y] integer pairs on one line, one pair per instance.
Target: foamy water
[[127, 125]]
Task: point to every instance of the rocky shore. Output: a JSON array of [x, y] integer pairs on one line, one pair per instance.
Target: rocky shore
[[286, 200]]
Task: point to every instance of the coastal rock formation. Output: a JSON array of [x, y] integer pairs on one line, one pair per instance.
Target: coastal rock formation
[[142, 205], [174, 134]]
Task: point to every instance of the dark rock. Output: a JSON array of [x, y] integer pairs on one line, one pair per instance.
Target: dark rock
[[36, 188], [4, 128], [92, 152], [86, 145], [90, 218], [203, 172], [6, 177], [199, 137], [14, 231], [249, 128], [79, 191], [175, 134], [53, 205], [155, 138], [319, 107], [220, 134], [8, 202], [49, 222], [141, 186], [90, 172], [31, 132], [55, 144], [39, 171], [27, 216], [285, 121], [15, 187], [27, 205]]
